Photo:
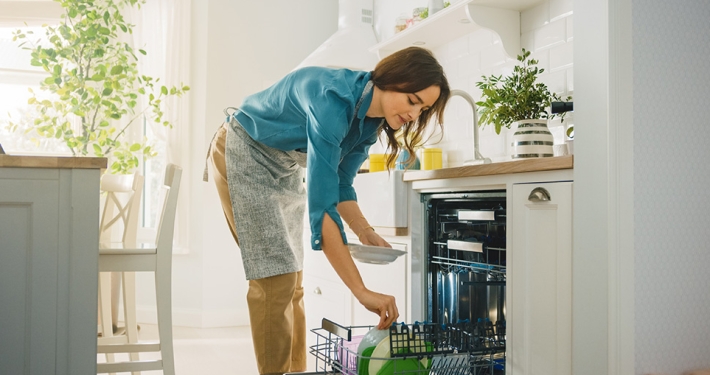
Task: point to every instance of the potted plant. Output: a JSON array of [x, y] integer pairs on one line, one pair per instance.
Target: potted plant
[[95, 84], [519, 98]]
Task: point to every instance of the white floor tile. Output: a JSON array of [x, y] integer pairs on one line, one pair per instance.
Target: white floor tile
[[206, 351]]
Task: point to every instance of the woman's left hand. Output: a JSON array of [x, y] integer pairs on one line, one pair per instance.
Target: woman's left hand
[[370, 237]]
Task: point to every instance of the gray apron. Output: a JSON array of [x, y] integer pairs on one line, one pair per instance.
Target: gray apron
[[266, 186]]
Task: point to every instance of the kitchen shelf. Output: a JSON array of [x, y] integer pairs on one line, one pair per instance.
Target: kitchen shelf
[[459, 19]]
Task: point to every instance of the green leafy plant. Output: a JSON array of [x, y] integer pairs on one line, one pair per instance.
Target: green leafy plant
[[95, 81], [515, 97], [424, 14]]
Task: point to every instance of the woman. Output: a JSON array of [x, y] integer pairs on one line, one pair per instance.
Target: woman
[[326, 119]]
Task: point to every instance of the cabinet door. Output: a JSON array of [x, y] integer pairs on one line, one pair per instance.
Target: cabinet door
[[29, 261], [49, 235], [540, 279], [324, 299]]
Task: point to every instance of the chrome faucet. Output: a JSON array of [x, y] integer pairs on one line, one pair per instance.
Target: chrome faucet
[[477, 157]]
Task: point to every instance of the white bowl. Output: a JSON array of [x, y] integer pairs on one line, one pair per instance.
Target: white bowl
[[374, 254]]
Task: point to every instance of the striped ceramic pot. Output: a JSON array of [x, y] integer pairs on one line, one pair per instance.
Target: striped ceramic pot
[[532, 139]]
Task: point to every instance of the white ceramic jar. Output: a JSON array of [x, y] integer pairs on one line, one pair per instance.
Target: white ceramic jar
[[532, 139]]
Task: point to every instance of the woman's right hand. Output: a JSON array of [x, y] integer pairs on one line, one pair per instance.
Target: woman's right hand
[[381, 304], [339, 257]]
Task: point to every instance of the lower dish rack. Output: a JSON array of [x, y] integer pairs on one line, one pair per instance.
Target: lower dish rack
[[465, 348]]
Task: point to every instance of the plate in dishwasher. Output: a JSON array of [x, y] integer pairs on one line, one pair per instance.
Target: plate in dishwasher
[[374, 254]]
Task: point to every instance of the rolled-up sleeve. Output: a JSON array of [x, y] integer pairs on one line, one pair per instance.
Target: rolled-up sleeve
[[325, 129]]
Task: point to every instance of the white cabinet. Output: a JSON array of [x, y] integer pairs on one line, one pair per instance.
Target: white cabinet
[[325, 295], [382, 197], [324, 298], [49, 235], [539, 304]]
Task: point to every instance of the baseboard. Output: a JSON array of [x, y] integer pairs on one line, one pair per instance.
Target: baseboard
[[198, 318]]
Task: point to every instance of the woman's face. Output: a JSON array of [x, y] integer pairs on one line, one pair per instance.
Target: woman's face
[[399, 108]]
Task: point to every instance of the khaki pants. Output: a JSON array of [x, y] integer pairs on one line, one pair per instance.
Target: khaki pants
[[276, 312]]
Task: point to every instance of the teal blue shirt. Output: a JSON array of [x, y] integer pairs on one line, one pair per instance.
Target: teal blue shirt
[[312, 110]]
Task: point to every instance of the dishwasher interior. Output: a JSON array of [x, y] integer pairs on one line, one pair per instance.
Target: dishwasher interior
[[466, 258]]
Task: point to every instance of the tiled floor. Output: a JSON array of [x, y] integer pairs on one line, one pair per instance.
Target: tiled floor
[[206, 351]]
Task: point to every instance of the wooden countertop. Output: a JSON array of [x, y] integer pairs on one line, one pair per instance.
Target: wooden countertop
[[507, 167], [62, 162]]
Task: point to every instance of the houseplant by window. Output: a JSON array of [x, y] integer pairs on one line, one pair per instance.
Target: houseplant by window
[[520, 99], [98, 94]]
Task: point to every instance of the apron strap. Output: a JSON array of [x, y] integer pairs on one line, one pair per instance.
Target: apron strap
[[205, 173]]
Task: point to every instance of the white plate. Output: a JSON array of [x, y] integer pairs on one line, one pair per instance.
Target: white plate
[[374, 254], [382, 350]]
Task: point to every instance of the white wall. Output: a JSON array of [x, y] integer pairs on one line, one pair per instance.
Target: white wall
[[671, 177], [640, 255], [237, 48], [546, 30]]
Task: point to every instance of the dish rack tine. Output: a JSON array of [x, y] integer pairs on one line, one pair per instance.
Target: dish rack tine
[[337, 329], [399, 338]]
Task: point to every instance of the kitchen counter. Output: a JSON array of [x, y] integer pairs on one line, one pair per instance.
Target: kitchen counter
[[59, 162], [49, 236], [508, 167]]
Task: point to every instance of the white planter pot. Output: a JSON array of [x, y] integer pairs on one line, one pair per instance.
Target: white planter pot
[[532, 139]]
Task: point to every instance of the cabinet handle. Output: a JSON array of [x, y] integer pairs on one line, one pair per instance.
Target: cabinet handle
[[317, 291], [539, 195]]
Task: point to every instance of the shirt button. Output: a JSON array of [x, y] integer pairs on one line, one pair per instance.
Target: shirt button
[[317, 242]]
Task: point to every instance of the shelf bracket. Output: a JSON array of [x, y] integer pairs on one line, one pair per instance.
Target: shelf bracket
[[504, 22]]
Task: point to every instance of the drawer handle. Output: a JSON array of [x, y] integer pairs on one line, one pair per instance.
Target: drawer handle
[[317, 291], [539, 195]]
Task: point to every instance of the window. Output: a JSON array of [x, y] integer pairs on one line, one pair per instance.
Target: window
[[17, 76]]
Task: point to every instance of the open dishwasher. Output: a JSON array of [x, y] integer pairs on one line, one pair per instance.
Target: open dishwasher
[[421, 348]]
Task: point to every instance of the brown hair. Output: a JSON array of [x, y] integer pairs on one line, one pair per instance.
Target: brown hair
[[408, 71]]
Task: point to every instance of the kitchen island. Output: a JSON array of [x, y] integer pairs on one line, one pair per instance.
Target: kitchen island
[[49, 235]]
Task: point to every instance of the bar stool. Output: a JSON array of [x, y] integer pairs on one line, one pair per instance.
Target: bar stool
[[119, 224], [156, 258]]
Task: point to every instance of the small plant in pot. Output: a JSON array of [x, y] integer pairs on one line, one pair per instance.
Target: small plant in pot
[[519, 98], [94, 83]]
